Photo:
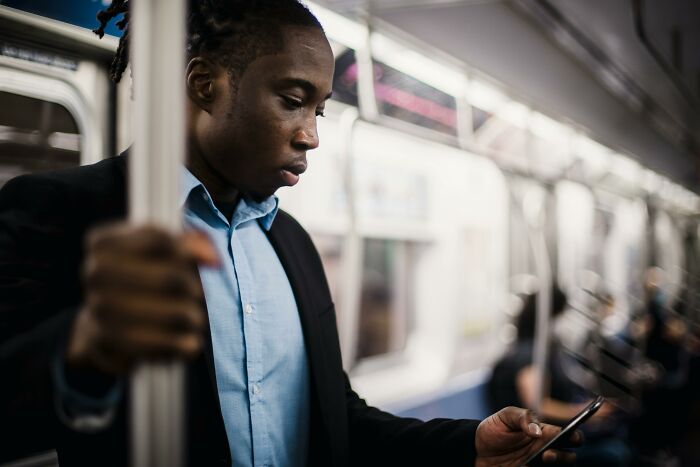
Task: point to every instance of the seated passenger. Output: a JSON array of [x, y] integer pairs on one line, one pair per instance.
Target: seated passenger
[[661, 333], [513, 381]]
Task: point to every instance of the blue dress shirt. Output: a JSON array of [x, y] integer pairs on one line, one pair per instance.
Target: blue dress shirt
[[260, 361], [259, 353]]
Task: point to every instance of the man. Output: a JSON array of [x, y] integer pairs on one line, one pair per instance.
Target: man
[[246, 300]]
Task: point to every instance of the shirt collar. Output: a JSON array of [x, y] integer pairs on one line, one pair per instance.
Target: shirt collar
[[247, 208]]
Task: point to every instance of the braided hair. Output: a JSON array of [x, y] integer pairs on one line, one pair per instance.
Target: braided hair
[[232, 33]]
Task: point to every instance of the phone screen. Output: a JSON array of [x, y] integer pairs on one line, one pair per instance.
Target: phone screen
[[578, 419]]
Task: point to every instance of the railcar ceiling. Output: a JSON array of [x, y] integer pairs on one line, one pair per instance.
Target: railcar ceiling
[[581, 61]]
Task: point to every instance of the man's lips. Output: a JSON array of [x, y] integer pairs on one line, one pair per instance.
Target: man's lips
[[290, 173]]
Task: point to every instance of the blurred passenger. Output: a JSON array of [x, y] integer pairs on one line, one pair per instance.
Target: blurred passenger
[[661, 332], [513, 381]]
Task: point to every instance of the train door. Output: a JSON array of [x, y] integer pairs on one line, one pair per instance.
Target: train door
[[55, 96]]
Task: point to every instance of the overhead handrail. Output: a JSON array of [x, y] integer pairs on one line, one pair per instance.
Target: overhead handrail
[[638, 10]]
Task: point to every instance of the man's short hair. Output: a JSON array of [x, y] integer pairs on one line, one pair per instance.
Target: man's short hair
[[232, 33]]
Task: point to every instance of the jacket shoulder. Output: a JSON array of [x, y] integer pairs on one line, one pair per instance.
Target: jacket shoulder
[[50, 196], [79, 178], [287, 223]]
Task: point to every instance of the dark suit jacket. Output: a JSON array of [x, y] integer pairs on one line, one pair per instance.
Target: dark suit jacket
[[43, 223]]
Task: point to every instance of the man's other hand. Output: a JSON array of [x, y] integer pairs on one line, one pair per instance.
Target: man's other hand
[[142, 298], [510, 436]]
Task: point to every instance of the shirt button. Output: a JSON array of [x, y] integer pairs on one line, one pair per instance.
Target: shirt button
[[256, 389], [248, 308]]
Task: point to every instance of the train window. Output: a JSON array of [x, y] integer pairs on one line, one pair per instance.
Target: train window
[[385, 302], [35, 135], [405, 98], [345, 76]]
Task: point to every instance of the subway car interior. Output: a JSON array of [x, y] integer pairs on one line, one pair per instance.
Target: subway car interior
[[505, 199]]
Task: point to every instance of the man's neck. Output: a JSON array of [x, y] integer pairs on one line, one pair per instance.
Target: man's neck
[[220, 191], [226, 207]]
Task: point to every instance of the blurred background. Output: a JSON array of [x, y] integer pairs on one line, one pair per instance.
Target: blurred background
[[474, 153]]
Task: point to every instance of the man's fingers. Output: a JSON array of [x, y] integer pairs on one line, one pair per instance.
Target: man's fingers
[[153, 242], [529, 423], [519, 419], [557, 456], [117, 311], [132, 344], [574, 439], [198, 246], [109, 272]]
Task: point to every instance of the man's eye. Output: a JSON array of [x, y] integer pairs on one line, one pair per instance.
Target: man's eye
[[292, 102]]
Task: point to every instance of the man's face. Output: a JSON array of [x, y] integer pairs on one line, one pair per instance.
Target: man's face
[[257, 133]]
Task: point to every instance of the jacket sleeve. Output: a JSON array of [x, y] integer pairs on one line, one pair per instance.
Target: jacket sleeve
[[39, 290], [380, 438]]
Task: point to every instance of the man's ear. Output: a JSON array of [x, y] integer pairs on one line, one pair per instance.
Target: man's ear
[[200, 80]]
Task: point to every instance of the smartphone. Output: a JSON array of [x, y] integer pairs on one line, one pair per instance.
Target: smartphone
[[578, 419]]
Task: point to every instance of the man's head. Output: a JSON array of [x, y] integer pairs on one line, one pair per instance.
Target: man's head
[[258, 75]]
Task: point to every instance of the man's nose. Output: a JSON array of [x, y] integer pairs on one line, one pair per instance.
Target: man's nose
[[306, 137]]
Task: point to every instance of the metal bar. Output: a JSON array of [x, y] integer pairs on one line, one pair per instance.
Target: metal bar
[[540, 355], [353, 247], [673, 75], [365, 79], [536, 220], [157, 46]]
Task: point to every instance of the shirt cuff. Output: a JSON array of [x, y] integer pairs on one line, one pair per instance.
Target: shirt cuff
[[78, 409]]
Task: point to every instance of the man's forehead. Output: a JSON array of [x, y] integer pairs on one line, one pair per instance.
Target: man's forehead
[[300, 63], [306, 56], [305, 38]]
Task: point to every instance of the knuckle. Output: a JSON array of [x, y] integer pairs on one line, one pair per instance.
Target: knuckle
[[197, 316], [190, 317], [155, 241], [190, 345]]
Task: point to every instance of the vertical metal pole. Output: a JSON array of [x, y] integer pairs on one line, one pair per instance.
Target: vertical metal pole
[[540, 355], [365, 77], [536, 221], [157, 47], [353, 247]]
